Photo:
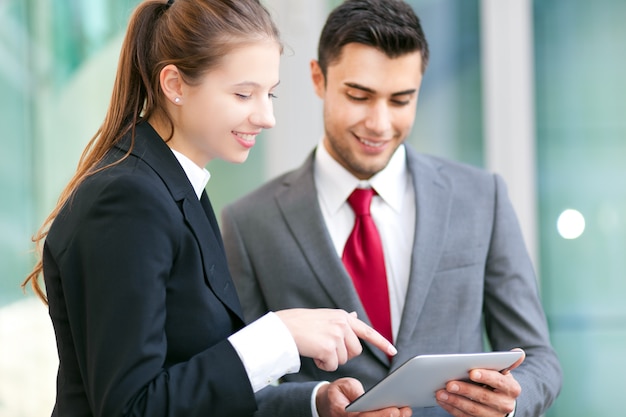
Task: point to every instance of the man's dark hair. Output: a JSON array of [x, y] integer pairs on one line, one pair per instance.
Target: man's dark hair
[[390, 26]]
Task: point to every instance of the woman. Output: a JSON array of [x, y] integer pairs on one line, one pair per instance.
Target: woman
[[146, 318]]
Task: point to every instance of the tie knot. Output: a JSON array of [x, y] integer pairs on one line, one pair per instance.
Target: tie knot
[[360, 200]]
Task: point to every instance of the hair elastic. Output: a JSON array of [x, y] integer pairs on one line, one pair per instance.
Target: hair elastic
[[169, 3]]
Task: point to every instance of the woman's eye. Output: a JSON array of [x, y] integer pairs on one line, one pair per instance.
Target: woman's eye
[[243, 96], [272, 96]]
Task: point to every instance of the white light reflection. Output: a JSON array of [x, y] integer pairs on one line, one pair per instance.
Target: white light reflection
[[571, 224]]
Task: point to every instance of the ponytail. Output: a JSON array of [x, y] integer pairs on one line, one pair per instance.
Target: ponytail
[[193, 35], [128, 100]]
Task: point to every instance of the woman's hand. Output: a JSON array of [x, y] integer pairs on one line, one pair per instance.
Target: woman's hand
[[331, 337]]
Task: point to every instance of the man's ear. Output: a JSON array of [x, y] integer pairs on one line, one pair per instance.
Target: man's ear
[[319, 81], [171, 83]]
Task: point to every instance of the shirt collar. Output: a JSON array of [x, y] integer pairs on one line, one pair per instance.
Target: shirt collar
[[198, 177], [335, 183]]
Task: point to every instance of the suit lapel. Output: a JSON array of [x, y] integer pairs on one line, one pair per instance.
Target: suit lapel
[[300, 208], [432, 199]]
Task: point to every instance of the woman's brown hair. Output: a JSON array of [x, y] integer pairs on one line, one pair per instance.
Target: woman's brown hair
[[193, 35]]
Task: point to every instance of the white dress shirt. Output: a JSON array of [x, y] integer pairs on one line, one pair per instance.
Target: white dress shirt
[[392, 208], [265, 346]]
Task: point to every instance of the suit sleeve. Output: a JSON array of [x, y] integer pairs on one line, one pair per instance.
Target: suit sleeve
[[291, 399], [514, 316], [115, 272], [287, 399], [248, 288]]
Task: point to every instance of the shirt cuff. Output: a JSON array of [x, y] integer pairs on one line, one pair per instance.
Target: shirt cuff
[[267, 350], [314, 412]]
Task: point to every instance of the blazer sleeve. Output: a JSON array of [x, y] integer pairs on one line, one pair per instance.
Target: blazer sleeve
[[115, 268], [513, 313]]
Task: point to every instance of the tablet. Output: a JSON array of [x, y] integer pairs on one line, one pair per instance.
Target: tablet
[[415, 382]]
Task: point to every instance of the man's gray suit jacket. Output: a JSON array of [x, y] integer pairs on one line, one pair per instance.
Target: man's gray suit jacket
[[470, 271]]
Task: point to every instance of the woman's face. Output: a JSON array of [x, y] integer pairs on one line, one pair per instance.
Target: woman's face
[[222, 116]]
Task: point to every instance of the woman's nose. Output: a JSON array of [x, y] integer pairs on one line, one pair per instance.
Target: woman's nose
[[263, 116]]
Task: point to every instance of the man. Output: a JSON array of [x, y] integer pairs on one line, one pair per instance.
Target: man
[[453, 259]]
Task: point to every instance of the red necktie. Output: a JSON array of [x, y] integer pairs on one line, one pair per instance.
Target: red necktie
[[364, 261]]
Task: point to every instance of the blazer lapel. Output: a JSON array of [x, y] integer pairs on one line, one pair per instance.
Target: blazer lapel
[[199, 215], [432, 196], [300, 207], [210, 214], [201, 219]]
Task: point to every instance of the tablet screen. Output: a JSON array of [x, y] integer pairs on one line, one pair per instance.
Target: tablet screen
[[415, 382]]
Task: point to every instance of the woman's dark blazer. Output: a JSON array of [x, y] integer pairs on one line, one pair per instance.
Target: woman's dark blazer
[[140, 294]]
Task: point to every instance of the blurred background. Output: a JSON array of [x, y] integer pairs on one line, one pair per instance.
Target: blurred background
[[533, 90]]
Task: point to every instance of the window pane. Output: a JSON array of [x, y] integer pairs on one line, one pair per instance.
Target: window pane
[[580, 90], [449, 113], [16, 204]]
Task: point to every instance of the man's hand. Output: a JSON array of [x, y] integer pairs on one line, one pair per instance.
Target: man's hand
[[332, 399], [490, 394], [331, 337]]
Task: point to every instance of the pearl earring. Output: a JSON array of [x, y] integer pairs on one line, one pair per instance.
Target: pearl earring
[[177, 100]]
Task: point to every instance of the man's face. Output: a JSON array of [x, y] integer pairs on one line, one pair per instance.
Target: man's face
[[369, 105]]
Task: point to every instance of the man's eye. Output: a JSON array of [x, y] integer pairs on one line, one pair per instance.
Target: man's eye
[[355, 98], [401, 102]]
